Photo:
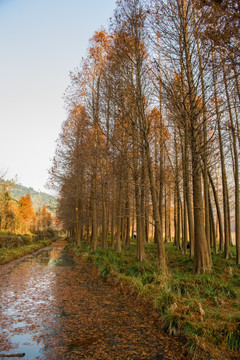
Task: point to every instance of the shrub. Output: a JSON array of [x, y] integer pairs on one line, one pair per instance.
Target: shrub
[[13, 241]]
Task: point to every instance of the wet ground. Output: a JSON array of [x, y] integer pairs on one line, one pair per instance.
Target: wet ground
[[56, 306]]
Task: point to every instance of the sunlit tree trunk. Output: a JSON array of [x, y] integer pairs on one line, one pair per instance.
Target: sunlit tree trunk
[[202, 261], [186, 180], [205, 152]]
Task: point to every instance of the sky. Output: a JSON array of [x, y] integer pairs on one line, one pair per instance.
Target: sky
[[40, 43]]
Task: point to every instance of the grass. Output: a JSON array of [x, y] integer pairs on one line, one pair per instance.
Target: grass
[[7, 255], [6, 233], [203, 308]]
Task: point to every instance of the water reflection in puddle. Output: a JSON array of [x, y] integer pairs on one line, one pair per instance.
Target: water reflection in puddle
[[26, 345], [27, 302], [55, 257]]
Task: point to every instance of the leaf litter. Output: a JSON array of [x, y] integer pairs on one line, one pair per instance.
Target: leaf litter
[[59, 308]]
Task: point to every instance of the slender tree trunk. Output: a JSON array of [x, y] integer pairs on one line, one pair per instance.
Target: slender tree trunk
[[127, 241], [119, 214], [177, 196], [218, 211], [160, 246], [236, 170], [161, 158], [185, 229], [169, 217], [77, 221], [223, 169], [94, 237], [166, 216], [212, 226], [147, 218], [104, 226], [140, 242]]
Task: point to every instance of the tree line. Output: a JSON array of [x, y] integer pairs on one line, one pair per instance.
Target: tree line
[[150, 146]]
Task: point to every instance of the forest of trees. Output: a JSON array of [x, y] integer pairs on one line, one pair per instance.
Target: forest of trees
[[152, 138], [18, 215]]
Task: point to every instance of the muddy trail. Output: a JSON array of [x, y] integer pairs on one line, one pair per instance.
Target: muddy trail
[[56, 306]]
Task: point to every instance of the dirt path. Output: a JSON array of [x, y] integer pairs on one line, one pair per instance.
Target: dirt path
[[54, 306]]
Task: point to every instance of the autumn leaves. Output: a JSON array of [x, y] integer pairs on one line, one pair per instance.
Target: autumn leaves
[[143, 120]]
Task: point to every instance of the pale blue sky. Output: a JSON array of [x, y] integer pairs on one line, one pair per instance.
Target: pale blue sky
[[40, 42]]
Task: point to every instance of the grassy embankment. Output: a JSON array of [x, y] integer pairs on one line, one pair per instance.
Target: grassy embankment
[[204, 309], [14, 246]]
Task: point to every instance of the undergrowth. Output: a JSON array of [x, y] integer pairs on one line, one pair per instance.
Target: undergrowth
[[203, 308]]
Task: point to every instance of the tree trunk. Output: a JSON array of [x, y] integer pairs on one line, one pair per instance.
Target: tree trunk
[[223, 169], [202, 260], [160, 246], [94, 235], [236, 170], [218, 211]]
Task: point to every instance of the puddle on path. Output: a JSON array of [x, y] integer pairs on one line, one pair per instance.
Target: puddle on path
[[27, 302], [55, 257]]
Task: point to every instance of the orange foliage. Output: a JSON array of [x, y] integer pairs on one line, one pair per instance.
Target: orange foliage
[[154, 118], [25, 207], [25, 213], [99, 43]]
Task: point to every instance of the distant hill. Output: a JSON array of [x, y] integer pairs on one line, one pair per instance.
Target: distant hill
[[38, 198]]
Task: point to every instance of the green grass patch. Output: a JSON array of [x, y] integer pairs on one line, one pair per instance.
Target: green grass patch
[[7, 255], [204, 308]]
